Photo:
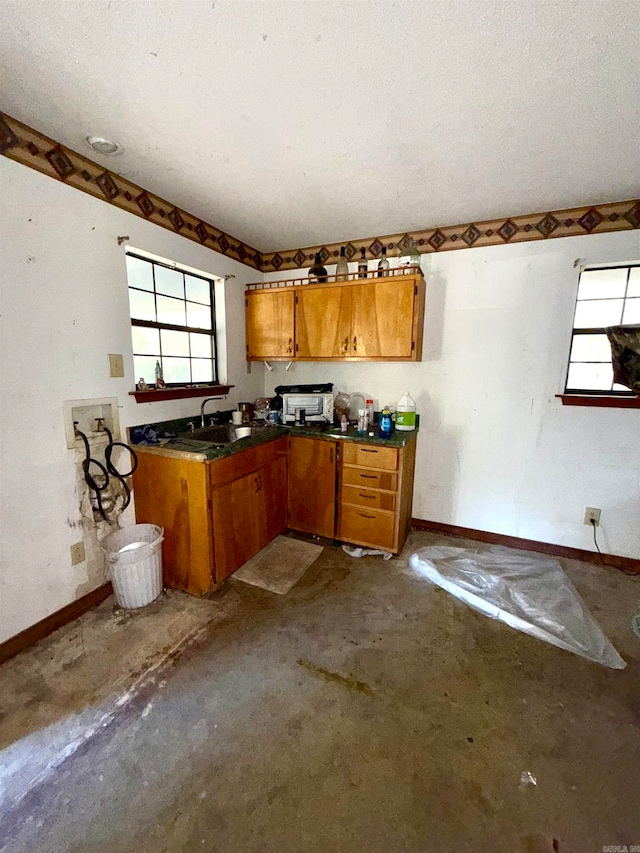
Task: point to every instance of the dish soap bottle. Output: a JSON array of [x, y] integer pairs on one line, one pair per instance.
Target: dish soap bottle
[[384, 430], [342, 267], [406, 413]]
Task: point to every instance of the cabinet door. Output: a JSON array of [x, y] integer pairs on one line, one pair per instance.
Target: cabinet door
[[323, 322], [272, 494], [382, 318], [269, 324], [312, 485], [236, 532]]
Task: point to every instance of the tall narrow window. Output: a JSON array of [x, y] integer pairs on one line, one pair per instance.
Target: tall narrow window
[[607, 296], [173, 321]]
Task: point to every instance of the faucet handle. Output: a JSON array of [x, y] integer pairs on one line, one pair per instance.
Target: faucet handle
[[191, 426]]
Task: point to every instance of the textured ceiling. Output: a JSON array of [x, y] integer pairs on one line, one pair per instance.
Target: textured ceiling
[[297, 123]]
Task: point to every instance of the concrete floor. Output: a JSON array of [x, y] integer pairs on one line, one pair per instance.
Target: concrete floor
[[363, 711]]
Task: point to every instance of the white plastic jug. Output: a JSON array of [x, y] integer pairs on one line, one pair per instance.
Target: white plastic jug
[[406, 413]]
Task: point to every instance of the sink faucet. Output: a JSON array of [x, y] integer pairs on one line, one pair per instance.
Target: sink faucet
[[208, 400]]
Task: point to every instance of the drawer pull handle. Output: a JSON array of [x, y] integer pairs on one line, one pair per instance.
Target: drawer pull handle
[[368, 497], [369, 476], [366, 516], [367, 450]]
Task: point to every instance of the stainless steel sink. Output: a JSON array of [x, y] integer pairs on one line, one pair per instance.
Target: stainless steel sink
[[225, 433]]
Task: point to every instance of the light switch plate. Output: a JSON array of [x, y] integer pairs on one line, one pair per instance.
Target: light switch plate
[[116, 365]]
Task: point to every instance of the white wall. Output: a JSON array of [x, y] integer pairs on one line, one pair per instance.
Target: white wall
[[64, 307], [497, 451]]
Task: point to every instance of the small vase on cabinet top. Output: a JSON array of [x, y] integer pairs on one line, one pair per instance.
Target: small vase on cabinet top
[[318, 272]]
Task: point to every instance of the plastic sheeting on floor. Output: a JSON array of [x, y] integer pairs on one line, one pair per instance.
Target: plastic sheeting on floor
[[527, 592]]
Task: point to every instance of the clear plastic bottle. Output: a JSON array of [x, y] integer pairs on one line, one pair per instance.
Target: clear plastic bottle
[[369, 404]]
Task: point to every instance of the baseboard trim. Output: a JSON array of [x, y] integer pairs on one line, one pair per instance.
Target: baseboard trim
[[30, 636], [626, 564]]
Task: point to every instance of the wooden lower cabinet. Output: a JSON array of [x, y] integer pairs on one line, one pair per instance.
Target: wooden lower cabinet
[[216, 515], [247, 514], [375, 494], [312, 485]]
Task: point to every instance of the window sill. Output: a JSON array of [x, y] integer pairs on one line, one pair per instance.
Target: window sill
[[602, 400], [153, 396]]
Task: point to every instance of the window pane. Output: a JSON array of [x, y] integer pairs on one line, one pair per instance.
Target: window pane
[[202, 370], [198, 316], [631, 311], [590, 348], [175, 343], [598, 313], [602, 284], [169, 282], [170, 311], [142, 305], [144, 367], [145, 341], [201, 345], [590, 377], [198, 289], [139, 273], [634, 282], [176, 370]]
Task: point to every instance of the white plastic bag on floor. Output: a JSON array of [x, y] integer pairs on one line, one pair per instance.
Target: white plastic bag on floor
[[527, 592], [352, 551]]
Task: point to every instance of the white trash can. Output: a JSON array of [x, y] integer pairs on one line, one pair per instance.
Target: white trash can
[[134, 557]]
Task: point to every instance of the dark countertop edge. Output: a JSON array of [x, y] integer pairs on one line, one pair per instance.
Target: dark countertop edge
[[179, 449]]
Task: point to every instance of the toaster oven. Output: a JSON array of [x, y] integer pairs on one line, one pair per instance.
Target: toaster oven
[[317, 407]]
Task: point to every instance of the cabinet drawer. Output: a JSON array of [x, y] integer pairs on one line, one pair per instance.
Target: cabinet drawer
[[366, 527], [370, 479], [368, 498], [371, 456]]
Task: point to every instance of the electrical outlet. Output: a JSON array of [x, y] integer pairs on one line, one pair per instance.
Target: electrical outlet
[[77, 553], [592, 516], [116, 365]]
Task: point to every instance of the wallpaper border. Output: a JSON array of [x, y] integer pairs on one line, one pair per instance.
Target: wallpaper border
[[27, 146], [573, 222], [33, 149]]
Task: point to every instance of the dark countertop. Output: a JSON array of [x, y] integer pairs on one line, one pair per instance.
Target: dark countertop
[[205, 451]]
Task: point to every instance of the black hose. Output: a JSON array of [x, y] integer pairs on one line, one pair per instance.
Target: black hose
[[105, 471]]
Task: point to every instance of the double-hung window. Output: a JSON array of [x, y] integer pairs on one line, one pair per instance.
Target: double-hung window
[[173, 322], [607, 296]]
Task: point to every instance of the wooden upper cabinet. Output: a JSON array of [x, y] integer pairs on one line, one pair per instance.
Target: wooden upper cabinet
[[323, 322], [269, 319], [377, 319], [382, 318]]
